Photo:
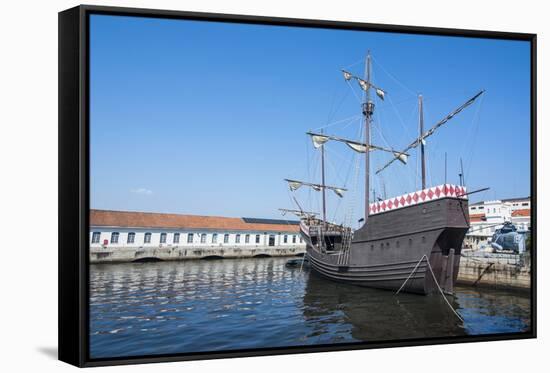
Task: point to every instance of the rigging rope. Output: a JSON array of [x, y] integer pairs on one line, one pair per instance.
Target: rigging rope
[[349, 119], [393, 77]]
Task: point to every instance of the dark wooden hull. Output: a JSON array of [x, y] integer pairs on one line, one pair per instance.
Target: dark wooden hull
[[385, 251]]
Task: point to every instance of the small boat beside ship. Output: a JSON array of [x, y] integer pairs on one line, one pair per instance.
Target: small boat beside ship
[[411, 242]]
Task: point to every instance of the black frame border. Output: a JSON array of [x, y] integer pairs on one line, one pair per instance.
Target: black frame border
[[73, 163]]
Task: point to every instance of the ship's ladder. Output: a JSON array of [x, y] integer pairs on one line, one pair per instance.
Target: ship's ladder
[[347, 237]]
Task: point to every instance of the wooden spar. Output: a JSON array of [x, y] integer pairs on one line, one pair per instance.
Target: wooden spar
[[298, 212], [315, 185], [431, 131], [421, 125], [344, 140]]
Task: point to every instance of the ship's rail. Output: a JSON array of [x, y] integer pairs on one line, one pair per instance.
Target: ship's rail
[[315, 225], [420, 196]]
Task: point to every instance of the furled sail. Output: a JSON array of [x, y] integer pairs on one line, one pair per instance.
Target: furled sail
[[422, 139], [359, 147], [403, 158], [363, 84], [299, 213], [339, 192], [319, 140], [295, 184], [347, 75]]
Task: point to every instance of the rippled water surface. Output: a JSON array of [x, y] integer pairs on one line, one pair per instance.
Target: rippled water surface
[[193, 306]]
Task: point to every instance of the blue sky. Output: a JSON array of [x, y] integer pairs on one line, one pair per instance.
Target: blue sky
[[208, 118]]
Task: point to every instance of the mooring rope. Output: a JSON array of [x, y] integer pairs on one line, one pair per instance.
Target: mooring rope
[[410, 275], [443, 294], [435, 280]]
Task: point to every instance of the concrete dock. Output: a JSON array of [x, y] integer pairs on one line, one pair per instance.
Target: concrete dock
[[510, 271], [140, 254]]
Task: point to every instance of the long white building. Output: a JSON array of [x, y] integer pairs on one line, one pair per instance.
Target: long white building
[[487, 216], [128, 236]]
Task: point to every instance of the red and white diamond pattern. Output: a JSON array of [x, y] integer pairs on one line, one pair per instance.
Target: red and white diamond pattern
[[430, 194]]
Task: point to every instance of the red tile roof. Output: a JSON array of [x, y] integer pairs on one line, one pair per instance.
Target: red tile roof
[[522, 212], [107, 218], [477, 217]]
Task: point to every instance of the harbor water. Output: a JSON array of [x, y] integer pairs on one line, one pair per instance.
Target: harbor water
[[214, 305]]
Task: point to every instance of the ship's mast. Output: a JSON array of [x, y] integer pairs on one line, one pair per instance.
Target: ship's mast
[[368, 108], [421, 128], [323, 182]]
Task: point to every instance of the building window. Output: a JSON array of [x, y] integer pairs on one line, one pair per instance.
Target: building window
[[95, 237], [203, 238], [247, 238], [525, 204], [257, 238], [114, 237], [147, 238], [301, 239], [285, 238], [271, 240], [226, 238], [214, 238], [163, 238], [176, 238], [190, 238], [238, 238], [131, 237], [294, 239]]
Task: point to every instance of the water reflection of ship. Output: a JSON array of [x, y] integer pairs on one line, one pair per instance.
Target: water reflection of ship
[[376, 315]]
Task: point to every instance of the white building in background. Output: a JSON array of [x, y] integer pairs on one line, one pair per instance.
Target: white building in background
[[125, 230], [487, 216]]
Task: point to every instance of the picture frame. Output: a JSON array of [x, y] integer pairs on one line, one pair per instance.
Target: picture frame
[[74, 182]]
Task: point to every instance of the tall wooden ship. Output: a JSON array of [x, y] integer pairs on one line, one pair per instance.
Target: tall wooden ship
[[410, 242]]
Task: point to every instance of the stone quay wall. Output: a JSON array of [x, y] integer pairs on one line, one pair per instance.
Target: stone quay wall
[[505, 271], [138, 254]]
